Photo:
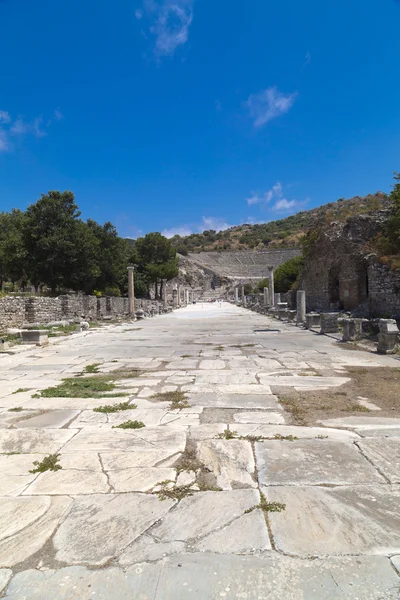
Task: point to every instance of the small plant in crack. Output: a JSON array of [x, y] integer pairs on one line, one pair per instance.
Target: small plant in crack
[[219, 348], [21, 390], [130, 425], [173, 493], [227, 435], [266, 506], [205, 487], [49, 463], [357, 408], [16, 409], [113, 408], [285, 438], [94, 368], [178, 400], [188, 460], [321, 437], [186, 356]]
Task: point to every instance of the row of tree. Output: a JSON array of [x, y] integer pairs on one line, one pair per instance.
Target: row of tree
[[50, 245]]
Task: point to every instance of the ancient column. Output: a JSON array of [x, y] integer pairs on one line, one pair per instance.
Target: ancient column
[[175, 297], [301, 306], [131, 290], [271, 286], [187, 296], [164, 284], [236, 295], [178, 295], [266, 296]]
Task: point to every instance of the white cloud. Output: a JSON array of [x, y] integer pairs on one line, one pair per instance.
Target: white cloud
[[12, 129], [268, 105], [170, 22], [214, 223], [4, 116], [284, 205], [182, 231], [276, 198]]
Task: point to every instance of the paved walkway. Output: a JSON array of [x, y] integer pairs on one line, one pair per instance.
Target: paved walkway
[[247, 513]]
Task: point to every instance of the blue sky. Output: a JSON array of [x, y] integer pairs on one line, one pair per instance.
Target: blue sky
[[184, 115]]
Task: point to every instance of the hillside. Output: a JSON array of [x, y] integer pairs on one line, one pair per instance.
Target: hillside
[[285, 233]]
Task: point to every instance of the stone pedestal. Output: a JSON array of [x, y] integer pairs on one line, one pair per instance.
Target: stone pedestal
[[388, 337], [38, 337], [282, 310], [329, 322], [277, 299], [313, 320], [301, 307], [291, 315], [352, 329], [4, 346]]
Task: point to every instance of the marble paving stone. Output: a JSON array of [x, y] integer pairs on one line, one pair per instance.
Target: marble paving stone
[[313, 462], [396, 563], [231, 461], [141, 479], [207, 431], [26, 524], [114, 522], [70, 403], [379, 432], [27, 441], [220, 400], [245, 535], [5, 576], [49, 420], [362, 422], [111, 440], [68, 481], [14, 485], [149, 457], [384, 454], [146, 549], [262, 418], [336, 521], [9, 418], [271, 577], [212, 365], [302, 382], [295, 431], [225, 377], [187, 521]]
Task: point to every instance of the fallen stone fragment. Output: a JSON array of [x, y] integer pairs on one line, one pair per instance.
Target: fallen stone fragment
[[230, 461]]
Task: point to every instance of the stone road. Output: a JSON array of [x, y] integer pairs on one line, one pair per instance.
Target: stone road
[[98, 528]]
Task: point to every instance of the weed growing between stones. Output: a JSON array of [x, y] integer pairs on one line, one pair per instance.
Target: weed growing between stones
[[114, 361], [130, 425], [94, 368], [113, 408], [188, 460], [186, 356], [16, 409], [285, 438], [296, 411], [219, 348], [227, 435], [321, 437], [357, 408], [243, 346], [21, 390], [178, 400], [83, 387], [49, 463], [173, 493], [266, 506]]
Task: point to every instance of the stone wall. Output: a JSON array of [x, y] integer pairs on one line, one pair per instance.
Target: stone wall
[[341, 273], [17, 311]]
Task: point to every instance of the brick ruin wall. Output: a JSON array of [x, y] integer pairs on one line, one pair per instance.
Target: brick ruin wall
[[18, 311], [340, 272]]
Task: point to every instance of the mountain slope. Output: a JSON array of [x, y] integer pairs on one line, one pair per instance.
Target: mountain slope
[[285, 233]]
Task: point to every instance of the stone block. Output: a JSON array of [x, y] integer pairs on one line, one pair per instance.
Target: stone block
[[387, 343], [39, 337], [291, 315], [4, 346], [352, 329], [329, 322], [313, 320]]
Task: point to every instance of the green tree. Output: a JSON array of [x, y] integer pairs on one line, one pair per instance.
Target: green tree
[[60, 249], [287, 274], [12, 248], [156, 257], [264, 283], [111, 256], [393, 225]]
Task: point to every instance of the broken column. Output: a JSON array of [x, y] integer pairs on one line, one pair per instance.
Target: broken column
[[301, 307], [243, 296], [266, 296], [236, 295], [131, 290], [179, 295], [271, 286], [388, 337], [282, 308], [175, 297], [352, 329], [329, 322]]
